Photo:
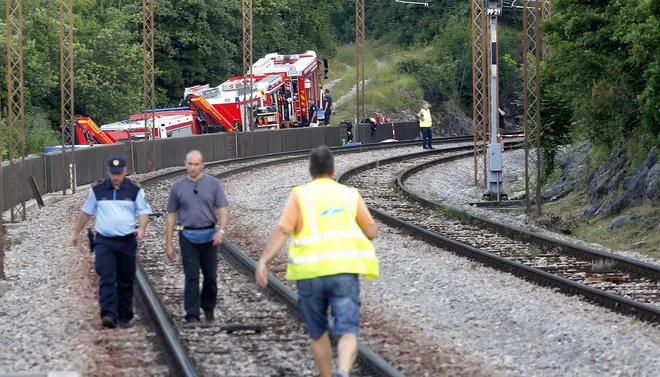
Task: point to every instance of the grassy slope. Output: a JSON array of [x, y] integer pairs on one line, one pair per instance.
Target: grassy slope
[[386, 91]]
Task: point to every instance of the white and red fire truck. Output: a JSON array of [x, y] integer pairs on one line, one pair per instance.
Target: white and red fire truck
[[199, 118], [283, 88]]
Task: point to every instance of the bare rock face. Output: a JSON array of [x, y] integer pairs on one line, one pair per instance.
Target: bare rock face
[[574, 167], [613, 186], [451, 123]]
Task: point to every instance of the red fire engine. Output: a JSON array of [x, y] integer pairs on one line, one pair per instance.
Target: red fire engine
[[283, 88]]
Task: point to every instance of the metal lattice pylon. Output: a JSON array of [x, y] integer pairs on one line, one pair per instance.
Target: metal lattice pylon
[[479, 90], [532, 107], [16, 106], [546, 14], [149, 85], [359, 65], [248, 60], [67, 120]]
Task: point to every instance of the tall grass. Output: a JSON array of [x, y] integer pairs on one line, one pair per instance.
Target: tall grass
[[387, 90]]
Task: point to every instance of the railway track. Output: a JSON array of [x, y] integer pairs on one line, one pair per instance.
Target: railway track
[[255, 332], [620, 283]]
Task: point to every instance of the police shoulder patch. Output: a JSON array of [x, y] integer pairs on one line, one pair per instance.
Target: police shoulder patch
[[136, 184]]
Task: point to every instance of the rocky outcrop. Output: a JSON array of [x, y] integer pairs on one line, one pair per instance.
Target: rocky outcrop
[[614, 186], [573, 164], [451, 123]]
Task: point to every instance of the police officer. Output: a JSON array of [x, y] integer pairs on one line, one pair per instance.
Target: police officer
[[332, 229], [115, 200]]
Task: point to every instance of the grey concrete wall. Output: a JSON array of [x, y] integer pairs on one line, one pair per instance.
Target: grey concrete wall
[[34, 167], [287, 140], [91, 163], [172, 152]]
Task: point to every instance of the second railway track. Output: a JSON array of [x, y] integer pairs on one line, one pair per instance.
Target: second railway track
[[617, 282]]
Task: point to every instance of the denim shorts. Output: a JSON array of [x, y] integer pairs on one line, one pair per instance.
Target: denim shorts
[[341, 293]]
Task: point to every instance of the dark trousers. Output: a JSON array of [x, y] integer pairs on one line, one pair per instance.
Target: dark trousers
[[195, 257], [115, 265], [327, 115], [427, 136]]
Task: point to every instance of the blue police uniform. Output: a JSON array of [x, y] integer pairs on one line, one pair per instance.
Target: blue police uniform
[[115, 244]]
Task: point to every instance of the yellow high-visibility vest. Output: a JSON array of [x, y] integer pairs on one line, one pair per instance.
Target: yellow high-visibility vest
[[330, 241], [426, 120]]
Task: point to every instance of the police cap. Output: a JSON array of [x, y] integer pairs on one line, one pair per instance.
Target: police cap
[[116, 164]]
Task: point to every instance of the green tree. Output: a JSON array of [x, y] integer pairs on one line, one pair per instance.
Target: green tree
[[605, 56]]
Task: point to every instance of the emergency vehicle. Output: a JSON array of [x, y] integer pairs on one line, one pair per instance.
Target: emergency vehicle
[[283, 89], [196, 119]]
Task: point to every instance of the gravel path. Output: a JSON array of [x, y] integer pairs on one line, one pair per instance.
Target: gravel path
[[467, 318]]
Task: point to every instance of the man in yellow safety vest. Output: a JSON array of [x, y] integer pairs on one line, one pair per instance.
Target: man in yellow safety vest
[[331, 229], [425, 124]]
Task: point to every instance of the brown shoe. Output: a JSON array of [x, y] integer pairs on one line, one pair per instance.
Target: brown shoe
[[210, 317]]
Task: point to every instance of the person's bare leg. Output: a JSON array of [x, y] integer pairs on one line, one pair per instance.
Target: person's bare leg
[[347, 348], [322, 352]]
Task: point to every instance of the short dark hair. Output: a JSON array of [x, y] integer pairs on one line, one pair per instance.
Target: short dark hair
[[321, 161], [327, 91]]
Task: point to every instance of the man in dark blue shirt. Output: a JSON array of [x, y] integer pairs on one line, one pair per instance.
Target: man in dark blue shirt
[[327, 107], [197, 203], [312, 114], [115, 200]]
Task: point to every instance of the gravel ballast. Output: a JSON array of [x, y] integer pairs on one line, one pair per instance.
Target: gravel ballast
[[49, 317], [452, 184], [487, 318]]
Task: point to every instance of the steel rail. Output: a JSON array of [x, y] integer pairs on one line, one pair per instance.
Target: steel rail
[[366, 357], [606, 299], [622, 304], [179, 360]]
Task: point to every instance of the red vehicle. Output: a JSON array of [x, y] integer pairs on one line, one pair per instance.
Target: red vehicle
[[283, 88], [88, 133]]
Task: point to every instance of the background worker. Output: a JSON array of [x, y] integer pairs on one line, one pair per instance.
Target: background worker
[[425, 124], [313, 113], [196, 202], [332, 229], [327, 106], [115, 200]]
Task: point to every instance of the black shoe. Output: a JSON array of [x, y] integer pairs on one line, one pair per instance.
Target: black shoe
[[108, 322], [210, 317], [124, 324], [191, 322], [431, 148]]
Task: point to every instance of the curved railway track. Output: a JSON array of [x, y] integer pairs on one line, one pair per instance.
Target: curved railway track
[[623, 284], [252, 338]]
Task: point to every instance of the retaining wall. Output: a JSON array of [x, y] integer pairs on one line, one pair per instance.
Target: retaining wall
[[49, 169]]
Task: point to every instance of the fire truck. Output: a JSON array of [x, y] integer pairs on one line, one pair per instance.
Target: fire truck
[[283, 89], [196, 119]]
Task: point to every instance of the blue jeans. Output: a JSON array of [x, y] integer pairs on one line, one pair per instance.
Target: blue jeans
[[340, 292], [427, 136]]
